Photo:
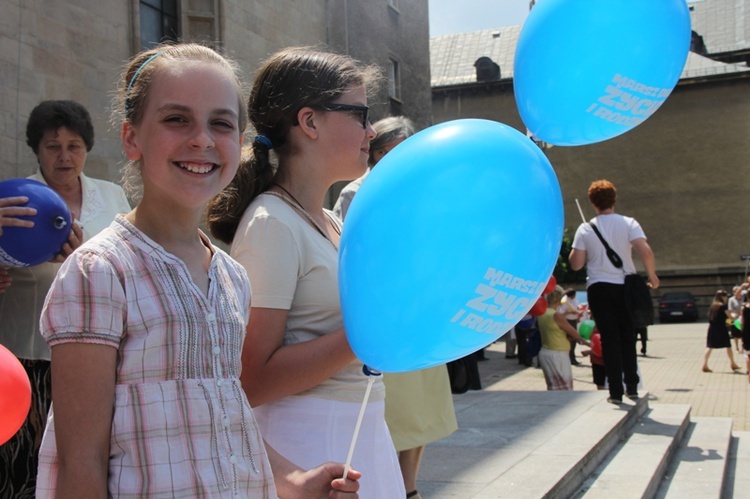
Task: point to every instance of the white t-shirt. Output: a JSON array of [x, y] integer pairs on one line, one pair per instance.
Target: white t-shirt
[[619, 231], [293, 267], [568, 308]]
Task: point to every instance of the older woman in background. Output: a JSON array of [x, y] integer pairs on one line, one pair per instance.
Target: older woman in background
[[418, 404], [60, 133]]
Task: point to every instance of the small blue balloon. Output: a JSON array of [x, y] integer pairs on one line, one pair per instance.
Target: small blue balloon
[[25, 247], [589, 70], [447, 245]]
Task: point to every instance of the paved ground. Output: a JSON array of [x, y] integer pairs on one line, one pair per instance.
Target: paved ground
[[671, 374]]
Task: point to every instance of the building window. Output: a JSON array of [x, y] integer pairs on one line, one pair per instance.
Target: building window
[[158, 22], [199, 22], [394, 80]]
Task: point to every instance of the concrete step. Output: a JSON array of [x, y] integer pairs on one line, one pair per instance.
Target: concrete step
[[524, 444], [699, 465], [636, 467], [737, 482]]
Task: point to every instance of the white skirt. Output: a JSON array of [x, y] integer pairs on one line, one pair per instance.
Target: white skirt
[[556, 368], [311, 431]]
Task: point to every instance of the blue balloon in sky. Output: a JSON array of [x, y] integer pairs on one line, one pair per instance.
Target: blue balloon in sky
[[449, 242], [25, 247], [589, 70]]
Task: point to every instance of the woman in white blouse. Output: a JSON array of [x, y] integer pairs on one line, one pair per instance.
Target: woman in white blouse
[[61, 134]]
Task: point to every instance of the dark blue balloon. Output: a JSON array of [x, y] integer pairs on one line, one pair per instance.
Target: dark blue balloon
[[448, 243], [25, 247], [589, 70]]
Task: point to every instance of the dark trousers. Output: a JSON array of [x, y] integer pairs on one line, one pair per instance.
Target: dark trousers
[[522, 336], [573, 343], [607, 303], [642, 332]]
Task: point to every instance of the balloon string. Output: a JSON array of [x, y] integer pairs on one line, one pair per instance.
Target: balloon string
[[580, 211], [347, 466]]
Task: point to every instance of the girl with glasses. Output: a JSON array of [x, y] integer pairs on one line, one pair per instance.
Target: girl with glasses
[[308, 109]]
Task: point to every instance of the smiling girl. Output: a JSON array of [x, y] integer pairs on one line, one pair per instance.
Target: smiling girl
[[146, 321]]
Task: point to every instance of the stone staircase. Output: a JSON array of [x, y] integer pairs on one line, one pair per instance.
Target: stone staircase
[[576, 445]]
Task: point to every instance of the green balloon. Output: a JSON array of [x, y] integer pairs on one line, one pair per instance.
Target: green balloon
[[738, 324], [586, 329]]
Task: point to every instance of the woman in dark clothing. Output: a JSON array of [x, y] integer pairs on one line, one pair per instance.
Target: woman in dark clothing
[[746, 334], [718, 336]]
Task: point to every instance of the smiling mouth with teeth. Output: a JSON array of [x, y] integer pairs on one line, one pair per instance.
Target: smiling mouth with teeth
[[197, 167]]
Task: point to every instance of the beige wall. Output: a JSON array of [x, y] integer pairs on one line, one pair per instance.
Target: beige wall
[[254, 29], [684, 173], [74, 49], [59, 50], [377, 32]]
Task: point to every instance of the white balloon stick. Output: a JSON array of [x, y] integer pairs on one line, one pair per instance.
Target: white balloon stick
[[580, 211], [347, 466]]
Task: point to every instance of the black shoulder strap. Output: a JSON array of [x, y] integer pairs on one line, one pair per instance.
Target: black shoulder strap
[[611, 254]]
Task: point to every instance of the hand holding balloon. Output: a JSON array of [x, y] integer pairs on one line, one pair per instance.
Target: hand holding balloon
[[75, 239], [28, 242], [10, 207]]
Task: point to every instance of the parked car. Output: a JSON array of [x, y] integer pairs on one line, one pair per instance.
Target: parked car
[[677, 306]]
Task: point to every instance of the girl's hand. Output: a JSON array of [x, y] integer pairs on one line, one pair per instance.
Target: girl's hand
[[75, 239], [10, 208]]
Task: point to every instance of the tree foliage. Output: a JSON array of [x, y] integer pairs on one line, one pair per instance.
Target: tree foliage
[[563, 273]]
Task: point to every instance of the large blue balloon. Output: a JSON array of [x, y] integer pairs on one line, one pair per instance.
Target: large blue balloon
[[24, 247], [588, 70], [447, 245]]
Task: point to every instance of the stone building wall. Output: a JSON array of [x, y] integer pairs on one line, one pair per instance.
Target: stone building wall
[[74, 50], [683, 174]]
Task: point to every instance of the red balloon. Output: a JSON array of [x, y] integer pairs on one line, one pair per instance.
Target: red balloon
[[539, 307], [596, 343], [550, 285], [15, 395]]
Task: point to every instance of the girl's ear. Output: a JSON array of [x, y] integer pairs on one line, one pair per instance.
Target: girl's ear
[[130, 142], [307, 118]]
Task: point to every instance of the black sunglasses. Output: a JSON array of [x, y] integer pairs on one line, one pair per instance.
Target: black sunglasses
[[364, 111]]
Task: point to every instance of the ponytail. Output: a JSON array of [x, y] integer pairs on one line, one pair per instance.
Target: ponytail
[[254, 176]]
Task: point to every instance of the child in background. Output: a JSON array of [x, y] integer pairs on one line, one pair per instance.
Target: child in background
[[597, 360], [554, 356]]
